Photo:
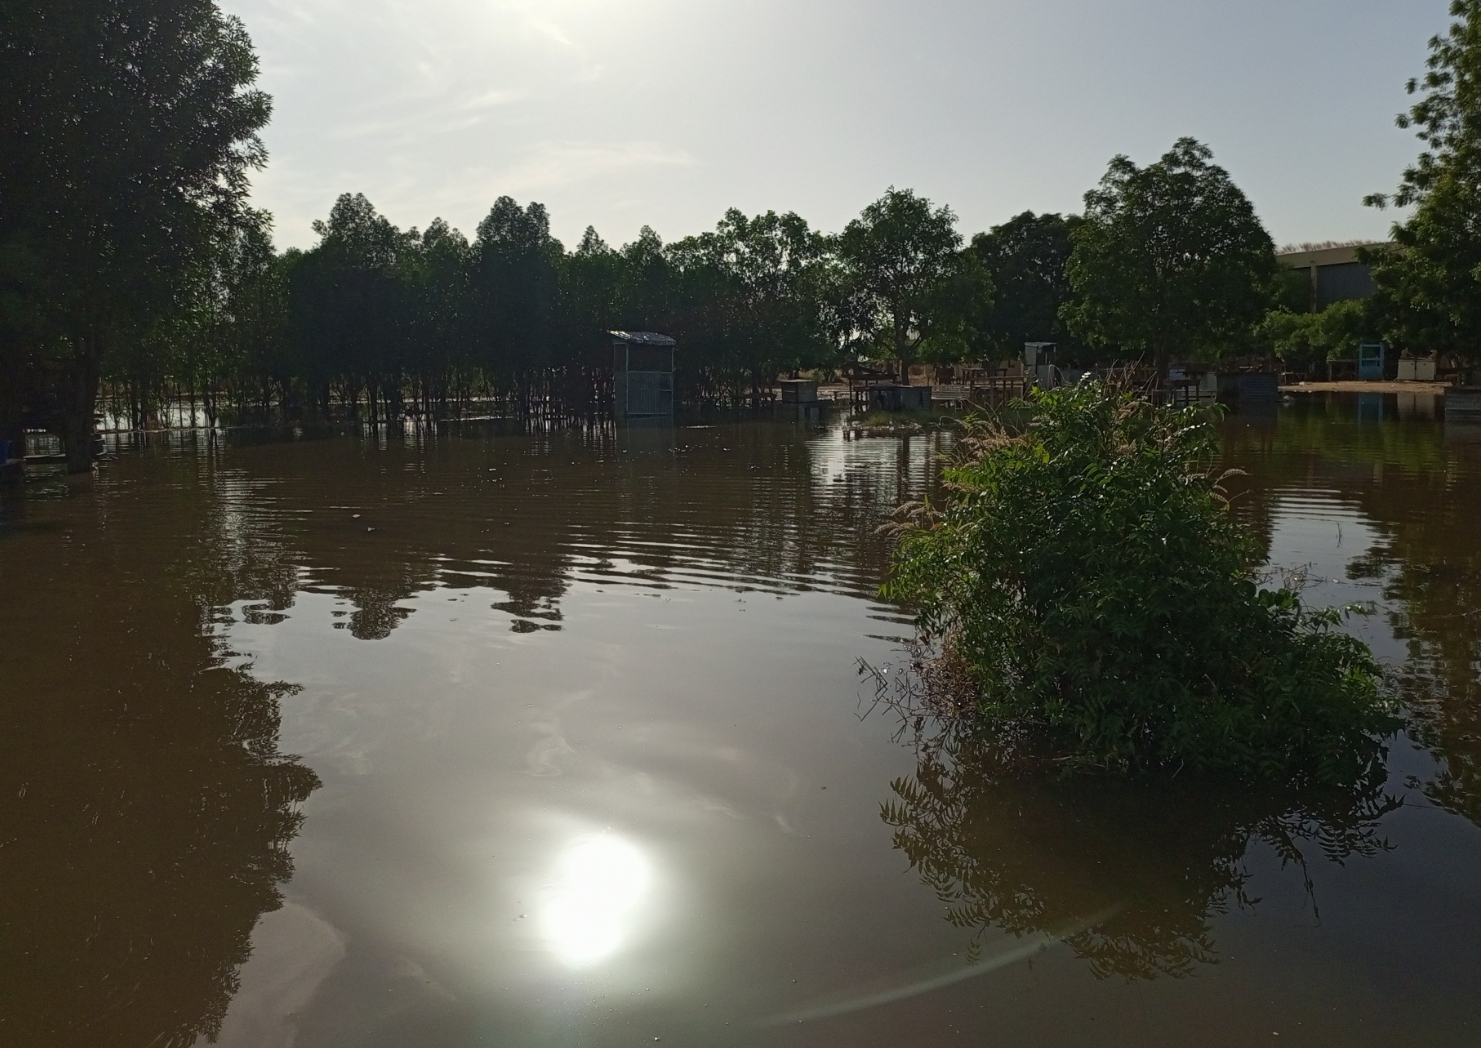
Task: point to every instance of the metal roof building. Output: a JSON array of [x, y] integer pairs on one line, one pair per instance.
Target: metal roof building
[[1336, 273], [642, 374]]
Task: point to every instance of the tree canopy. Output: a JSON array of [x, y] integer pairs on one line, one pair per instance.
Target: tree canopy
[[129, 130], [1429, 284], [1087, 583], [1169, 259], [1026, 259], [910, 290]]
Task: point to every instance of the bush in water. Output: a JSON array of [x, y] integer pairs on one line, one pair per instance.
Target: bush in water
[[1088, 577]]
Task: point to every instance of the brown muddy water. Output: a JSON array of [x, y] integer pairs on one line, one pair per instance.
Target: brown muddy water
[[522, 741]]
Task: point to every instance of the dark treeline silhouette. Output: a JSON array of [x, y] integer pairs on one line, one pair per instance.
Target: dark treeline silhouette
[[377, 322], [133, 269], [131, 265]]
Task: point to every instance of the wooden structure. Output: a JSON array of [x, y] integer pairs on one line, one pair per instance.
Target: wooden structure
[[1190, 386], [642, 375], [799, 390], [895, 397], [861, 380]]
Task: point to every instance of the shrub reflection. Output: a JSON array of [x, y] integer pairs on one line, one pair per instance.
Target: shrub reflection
[[1027, 855]]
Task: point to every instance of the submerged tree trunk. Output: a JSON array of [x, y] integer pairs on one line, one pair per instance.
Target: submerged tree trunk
[[79, 405]]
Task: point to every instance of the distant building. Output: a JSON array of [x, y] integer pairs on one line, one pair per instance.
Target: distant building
[[1336, 273]]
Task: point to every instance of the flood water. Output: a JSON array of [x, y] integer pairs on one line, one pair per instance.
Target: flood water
[[489, 739]]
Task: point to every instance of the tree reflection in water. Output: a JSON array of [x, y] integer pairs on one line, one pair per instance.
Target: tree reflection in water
[[1430, 570], [1414, 481], [138, 859], [1026, 855], [145, 812]]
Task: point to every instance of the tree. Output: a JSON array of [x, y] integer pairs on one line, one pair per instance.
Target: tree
[[909, 290], [126, 140], [588, 283], [1429, 285], [1026, 260], [761, 283], [513, 285], [1170, 258], [1306, 341], [352, 305]]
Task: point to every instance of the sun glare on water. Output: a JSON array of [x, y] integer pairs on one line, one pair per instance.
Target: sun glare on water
[[590, 905]]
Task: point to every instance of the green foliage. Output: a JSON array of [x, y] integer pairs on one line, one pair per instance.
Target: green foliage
[[761, 284], [1170, 259], [1429, 284], [126, 139], [1309, 340], [1089, 578], [1026, 260], [910, 293]]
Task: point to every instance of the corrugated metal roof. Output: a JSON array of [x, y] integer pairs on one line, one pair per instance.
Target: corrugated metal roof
[[642, 338]]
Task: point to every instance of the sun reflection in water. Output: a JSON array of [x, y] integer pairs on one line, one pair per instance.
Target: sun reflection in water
[[591, 903]]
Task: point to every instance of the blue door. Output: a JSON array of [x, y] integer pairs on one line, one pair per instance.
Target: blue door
[[1370, 360]]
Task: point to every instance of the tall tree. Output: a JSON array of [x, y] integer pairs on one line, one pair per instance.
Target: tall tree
[[127, 135], [1026, 259], [1170, 258], [589, 278], [909, 288], [761, 282], [1429, 285], [352, 306], [513, 285]]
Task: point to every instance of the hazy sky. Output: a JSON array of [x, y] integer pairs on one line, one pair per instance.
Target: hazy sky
[[620, 113]]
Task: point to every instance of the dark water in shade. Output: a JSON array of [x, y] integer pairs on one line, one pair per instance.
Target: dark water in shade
[[574, 729]]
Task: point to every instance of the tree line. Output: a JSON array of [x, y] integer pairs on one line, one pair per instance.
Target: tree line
[[377, 322], [132, 267]]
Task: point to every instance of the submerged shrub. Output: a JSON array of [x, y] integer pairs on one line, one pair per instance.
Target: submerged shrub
[[1088, 577]]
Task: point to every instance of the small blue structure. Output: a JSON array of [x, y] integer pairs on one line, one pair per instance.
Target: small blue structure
[[1370, 361]]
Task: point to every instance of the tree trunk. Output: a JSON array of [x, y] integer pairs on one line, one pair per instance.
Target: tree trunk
[[901, 347], [80, 403]]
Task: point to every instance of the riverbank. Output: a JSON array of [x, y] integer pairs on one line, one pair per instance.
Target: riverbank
[[1358, 386]]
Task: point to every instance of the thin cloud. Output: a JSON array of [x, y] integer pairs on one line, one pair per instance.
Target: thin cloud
[[554, 164]]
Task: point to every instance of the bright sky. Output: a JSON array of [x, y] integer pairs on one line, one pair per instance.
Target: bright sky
[[620, 113]]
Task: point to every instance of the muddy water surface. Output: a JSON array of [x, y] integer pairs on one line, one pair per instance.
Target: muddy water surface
[[487, 739]]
